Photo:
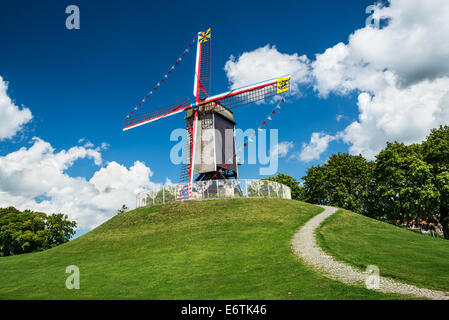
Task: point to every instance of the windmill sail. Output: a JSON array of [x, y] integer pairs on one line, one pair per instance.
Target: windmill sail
[[249, 94], [143, 118], [201, 84]]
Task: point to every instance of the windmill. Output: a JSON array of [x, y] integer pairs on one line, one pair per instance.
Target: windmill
[[210, 135]]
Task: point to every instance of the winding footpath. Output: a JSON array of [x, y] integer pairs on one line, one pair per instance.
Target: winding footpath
[[305, 246]]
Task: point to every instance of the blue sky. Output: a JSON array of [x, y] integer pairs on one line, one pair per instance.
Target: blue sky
[[81, 83], [64, 93]]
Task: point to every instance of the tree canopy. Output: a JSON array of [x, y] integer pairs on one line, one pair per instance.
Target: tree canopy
[[404, 183], [342, 182], [28, 231]]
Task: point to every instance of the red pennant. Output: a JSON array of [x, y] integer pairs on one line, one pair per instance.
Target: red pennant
[[146, 96], [183, 54], [162, 80], [235, 155], [140, 104], [169, 71], [264, 123], [244, 144], [176, 62], [225, 166], [282, 100], [274, 112], [190, 45]]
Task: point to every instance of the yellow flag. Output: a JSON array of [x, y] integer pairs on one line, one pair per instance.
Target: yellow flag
[[283, 84], [204, 36]]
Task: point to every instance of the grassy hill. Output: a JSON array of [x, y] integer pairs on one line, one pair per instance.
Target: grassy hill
[[226, 249], [400, 254]]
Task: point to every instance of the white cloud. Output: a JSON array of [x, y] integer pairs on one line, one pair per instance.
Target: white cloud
[[401, 73], [411, 47], [12, 118], [40, 172], [336, 71], [265, 63], [318, 144], [405, 115], [282, 149], [36, 177]]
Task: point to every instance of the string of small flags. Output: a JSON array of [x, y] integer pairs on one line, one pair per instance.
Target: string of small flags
[[163, 79], [259, 129]]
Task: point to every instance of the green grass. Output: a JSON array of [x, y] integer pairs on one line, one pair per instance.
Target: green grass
[[400, 254], [226, 249]]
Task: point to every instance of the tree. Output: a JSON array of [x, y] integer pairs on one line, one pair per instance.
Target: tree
[[342, 181], [315, 185], [27, 231], [297, 191], [405, 189], [60, 227], [405, 183], [435, 151]]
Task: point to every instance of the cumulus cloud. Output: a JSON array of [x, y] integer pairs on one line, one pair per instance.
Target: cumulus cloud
[[410, 47], [400, 71], [12, 118], [405, 115], [282, 149], [266, 63], [318, 144], [39, 172]]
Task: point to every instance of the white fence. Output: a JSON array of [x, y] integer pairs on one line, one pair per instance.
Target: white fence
[[214, 189]]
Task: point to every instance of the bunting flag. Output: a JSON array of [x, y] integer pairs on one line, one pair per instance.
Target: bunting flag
[[264, 123], [163, 79]]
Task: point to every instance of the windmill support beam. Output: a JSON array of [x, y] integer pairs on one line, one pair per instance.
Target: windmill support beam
[[193, 151]]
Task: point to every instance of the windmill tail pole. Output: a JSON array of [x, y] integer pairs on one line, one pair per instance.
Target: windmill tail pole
[[192, 152]]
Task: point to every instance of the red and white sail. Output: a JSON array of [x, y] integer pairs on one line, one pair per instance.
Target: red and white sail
[[231, 99]]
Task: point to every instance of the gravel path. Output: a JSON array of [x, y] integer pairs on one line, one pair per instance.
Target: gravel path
[[305, 246]]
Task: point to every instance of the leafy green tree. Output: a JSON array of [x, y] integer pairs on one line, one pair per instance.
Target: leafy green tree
[[342, 181], [60, 227], [403, 184], [436, 153], [27, 231], [297, 191], [405, 190], [315, 185]]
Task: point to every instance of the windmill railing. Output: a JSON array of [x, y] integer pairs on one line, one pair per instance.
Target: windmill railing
[[213, 190]]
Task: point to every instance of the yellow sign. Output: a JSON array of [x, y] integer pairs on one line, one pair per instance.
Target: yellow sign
[[283, 84]]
